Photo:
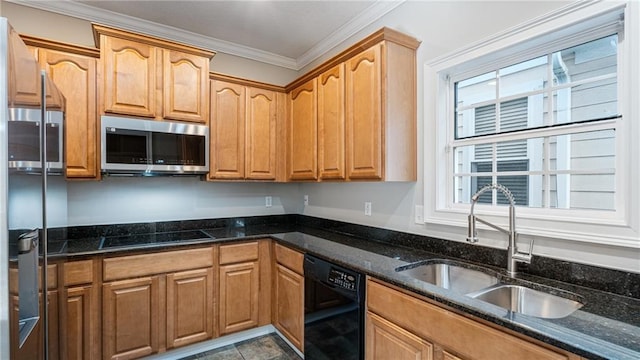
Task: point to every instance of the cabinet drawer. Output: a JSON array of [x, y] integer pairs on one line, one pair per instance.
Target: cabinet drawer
[[289, 258], [158, 263], [469, 338], [78, 272], [234, 253]]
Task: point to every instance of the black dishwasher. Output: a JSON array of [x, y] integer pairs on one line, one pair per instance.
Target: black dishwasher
[[334, 311]]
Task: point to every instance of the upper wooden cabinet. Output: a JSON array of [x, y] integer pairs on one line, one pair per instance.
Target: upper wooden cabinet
[[245, 122], [303, 132], [73, 70], [366, 113], [150, 77], [331, 124], [227, 128]]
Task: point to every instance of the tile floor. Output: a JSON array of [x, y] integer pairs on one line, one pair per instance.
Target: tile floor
[[266, 347]]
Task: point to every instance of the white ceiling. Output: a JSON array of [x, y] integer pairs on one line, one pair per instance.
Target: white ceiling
[[287, 33]]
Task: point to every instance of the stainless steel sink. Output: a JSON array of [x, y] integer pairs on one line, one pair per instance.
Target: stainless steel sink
[[446, 274], [527, 301]]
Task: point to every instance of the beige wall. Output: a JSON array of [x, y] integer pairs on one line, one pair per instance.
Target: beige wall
[[48, 25], [44, 24]]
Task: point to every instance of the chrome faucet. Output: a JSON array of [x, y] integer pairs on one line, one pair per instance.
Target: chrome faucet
[[513, 255]]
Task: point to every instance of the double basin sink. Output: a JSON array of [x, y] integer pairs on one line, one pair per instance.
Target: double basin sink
[[484, 286]]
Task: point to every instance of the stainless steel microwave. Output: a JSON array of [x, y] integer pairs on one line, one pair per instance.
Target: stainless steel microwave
[[24, 140], [133, 146]]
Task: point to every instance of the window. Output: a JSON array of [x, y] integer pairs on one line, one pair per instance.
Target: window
[[548, 110], [570, 95]]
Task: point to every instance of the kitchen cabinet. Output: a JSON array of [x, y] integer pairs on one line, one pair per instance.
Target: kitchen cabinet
[[303, 132], [364, 114], [131, 311], [153, 302], [414, 325], [22, 66], [365, 106], [381, 113], [189, 297], [331, 124], [73, 69], [239, 287], [153, 78], [227, 128], [384, 340], [245, 122], [79, 317], [288, 302]]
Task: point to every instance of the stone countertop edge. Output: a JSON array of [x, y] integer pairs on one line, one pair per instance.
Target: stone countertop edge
[[383, 267]]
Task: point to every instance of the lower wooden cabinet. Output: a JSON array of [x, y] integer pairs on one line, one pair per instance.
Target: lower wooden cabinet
[[289, 305], [189, 307], [289, 294], [239, 287], [412, 325], [385, 340], [131, 313], [77, 322]]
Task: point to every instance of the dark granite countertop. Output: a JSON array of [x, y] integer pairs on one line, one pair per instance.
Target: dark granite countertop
[[606, 327]]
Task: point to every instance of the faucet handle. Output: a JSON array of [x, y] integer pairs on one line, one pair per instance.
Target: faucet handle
[[525, 257], [472, 234]]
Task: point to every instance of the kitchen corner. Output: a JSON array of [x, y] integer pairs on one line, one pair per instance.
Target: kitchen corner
[[605, 328]]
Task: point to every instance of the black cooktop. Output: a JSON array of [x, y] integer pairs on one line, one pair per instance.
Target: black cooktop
[[152, 238]]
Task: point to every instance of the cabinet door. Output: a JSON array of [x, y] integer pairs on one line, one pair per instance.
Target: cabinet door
[[331, 139], [384, 340], [189, 307], [24, 74], [130, 318], [76, 343], [261, 122], [75, 76], [364, 115], [303, 132], [289, 314], [227, 130], [239, 286], [129, 77], [186, 87]]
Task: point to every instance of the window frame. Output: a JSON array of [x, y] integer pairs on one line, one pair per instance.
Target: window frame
[[571, 25]]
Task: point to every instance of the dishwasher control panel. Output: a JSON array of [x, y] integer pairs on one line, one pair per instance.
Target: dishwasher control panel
[[342, 279]]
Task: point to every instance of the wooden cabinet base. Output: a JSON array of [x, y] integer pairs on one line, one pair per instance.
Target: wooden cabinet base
[[131, 313], [449, 332]]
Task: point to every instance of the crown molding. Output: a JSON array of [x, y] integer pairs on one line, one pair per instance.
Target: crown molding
[[133, 24], [374, 12]]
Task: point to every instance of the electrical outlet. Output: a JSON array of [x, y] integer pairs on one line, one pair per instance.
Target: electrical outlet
[[267, 201], [306, 200], [367, 208], [419, 214]]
